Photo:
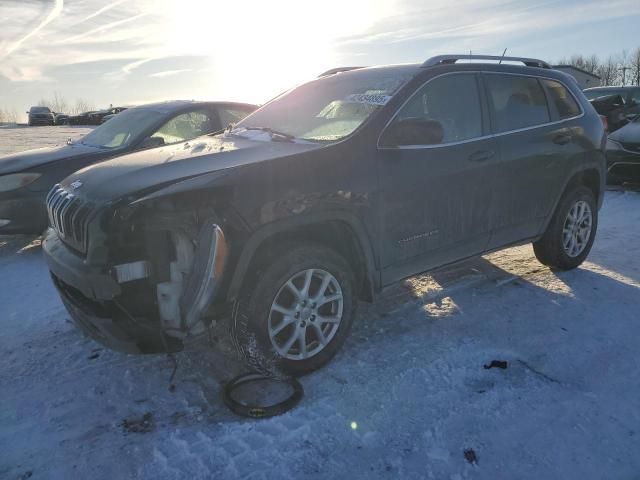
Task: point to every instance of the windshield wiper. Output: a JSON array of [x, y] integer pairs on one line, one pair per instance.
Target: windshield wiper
[[276, 136]]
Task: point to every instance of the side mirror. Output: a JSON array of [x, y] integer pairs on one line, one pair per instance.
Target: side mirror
[[151, 142], [413, 131]]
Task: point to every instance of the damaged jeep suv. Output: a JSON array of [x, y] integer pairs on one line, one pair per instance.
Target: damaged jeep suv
[[273, 230]]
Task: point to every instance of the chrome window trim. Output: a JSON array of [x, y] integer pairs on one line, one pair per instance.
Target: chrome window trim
[[483, 137]]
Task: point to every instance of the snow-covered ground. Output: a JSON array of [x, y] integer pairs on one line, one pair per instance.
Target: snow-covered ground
[[406, 397], [16, 138]]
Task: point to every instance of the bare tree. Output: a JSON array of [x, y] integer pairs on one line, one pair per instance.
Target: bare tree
[[11, 116], [592, 63], [57, 103], [2, 115], [623, 66], [634, 64], [81, 105], [589, 64], [609, 72]]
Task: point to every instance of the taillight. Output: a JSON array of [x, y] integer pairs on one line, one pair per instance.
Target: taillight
[[605, 122]]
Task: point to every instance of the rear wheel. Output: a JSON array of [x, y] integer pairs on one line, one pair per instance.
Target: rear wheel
[[571, 232], [297, 314]]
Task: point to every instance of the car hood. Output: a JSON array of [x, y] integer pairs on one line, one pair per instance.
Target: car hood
[[630, 133], [142, 172], [33, 158]]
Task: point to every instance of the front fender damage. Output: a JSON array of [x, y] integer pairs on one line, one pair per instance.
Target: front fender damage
[[194, 277]]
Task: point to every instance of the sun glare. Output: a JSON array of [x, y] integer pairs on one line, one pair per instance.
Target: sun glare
[[263, 48]]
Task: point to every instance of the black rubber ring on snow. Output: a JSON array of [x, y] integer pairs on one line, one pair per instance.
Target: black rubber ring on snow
[[261, 412]]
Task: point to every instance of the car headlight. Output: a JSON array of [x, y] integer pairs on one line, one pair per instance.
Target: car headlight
[[17, 180]]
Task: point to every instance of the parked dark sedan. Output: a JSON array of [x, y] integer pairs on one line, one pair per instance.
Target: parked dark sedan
[[623, 154], [97, 118], [80, 118], [26, 177], [60, 118], [40, 116]]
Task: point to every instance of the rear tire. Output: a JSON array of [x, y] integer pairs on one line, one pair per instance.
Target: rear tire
[[281, 325], [571, 231]]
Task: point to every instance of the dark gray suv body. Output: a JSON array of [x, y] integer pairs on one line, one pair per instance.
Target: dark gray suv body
[[273, 230]]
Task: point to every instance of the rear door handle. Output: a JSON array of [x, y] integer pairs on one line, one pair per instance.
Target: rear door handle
[[562, 139], [481, 156]]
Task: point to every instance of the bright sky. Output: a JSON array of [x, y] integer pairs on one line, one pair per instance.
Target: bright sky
[[135, 51]]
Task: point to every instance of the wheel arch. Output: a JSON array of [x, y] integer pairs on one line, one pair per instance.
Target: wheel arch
[[337, 230], [591, 176]]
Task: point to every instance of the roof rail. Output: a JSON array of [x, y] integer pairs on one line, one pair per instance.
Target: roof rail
[[333, 71], [448, 59]]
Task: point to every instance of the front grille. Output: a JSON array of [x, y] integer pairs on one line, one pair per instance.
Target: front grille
[[69, 215]]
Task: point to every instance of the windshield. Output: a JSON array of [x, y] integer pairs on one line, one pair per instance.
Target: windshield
[[122, 129], [329, 108], [40, 110]]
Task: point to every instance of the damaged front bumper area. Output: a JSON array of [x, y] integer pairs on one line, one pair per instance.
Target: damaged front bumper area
[[143, 300]]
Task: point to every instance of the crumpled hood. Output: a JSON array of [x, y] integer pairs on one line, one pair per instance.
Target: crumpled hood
[[630, 133], [18, 162], [141, 171]]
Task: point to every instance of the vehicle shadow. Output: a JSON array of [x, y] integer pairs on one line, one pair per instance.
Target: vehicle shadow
[[447, 292]]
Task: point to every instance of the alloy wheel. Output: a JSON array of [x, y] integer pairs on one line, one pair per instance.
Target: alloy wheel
[[305, 314], [577, 229]]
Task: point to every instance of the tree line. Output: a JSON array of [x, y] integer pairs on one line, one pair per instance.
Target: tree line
[[59, 104], [620, 69]]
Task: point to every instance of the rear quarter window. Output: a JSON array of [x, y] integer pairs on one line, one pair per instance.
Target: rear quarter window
[[517, 102], [561, 100]]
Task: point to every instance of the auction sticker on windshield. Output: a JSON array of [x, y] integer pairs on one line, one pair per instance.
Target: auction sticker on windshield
[[368, 98]]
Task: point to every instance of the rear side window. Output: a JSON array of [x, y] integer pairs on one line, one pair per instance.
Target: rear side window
[[516, 101], [561, 100], [451, 100]]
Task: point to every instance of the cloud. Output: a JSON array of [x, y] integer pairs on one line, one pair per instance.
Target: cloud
[[490, 19], [101, 28], [168, 73], [100, 11], [55, 12]]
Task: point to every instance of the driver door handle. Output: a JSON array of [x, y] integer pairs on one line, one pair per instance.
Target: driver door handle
[[481, 156]]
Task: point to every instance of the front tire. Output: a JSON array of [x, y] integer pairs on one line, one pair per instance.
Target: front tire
[[297, 313], [571, 231]]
